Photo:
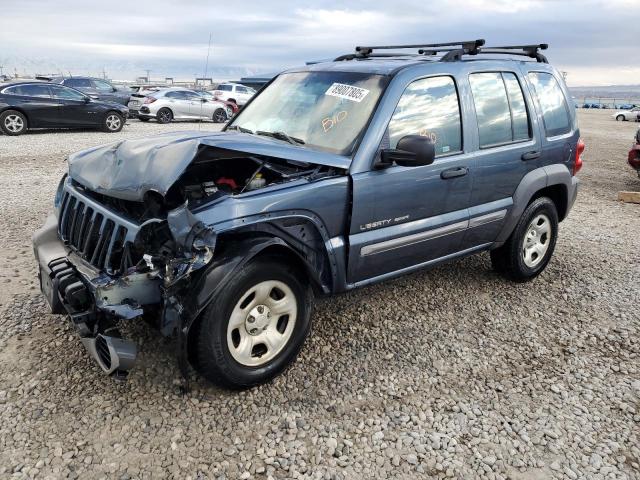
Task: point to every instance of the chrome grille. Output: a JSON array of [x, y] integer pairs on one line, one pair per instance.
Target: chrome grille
[[95, 233]]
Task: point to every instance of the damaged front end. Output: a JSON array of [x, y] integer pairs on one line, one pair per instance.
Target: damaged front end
[[124, 244]]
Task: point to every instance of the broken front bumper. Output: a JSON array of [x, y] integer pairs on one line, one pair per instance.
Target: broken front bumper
[[92, 300]]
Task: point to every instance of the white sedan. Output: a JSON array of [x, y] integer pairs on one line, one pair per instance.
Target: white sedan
[[180, 104], [632, 115]]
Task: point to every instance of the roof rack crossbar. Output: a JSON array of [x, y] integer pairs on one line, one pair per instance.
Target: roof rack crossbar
[[367, 51], [530, 51]]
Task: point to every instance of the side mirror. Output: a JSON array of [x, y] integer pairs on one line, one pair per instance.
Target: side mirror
[[411, 151], [204, 100], [87, 99], [114, 89]]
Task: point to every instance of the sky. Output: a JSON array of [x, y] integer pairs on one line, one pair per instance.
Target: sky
[[595, 42]]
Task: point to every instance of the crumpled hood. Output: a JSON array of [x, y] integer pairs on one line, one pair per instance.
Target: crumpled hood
[[130, 168]]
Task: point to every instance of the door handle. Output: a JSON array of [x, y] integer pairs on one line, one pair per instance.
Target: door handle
[[454, 172], [531, 155]]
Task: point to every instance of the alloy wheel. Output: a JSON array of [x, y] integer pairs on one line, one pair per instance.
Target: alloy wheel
[[14, 123], [536, 240], [113, 122], [261, 323]]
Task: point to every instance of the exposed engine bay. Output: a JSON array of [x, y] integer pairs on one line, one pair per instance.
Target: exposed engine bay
[[215, 173]]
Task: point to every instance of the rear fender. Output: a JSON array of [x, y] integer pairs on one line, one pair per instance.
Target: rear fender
[[531, 184]]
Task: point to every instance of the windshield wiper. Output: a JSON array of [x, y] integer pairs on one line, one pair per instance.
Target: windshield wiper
[[281, 136], [239, 128]]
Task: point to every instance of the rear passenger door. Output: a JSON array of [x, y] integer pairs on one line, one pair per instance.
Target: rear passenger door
[[178, 104], [507, 150], [36, 101]]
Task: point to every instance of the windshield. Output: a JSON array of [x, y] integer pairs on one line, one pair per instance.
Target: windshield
[[324, 110]]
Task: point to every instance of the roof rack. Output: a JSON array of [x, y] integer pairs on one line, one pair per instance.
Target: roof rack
[[368, 51], [452, 51]]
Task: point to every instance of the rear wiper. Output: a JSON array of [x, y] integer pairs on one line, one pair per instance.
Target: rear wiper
[[239, 128], [282, 136]]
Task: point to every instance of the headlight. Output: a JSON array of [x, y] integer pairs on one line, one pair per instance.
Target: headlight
[[60, 192]]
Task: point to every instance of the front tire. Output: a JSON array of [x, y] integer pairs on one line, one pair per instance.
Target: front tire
[[13, 122], [164, 115], [529, 248], [220, 115], [255, 326], [620, 118], [113, 122]]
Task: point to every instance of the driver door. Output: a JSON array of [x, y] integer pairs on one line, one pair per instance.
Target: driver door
[[405, 217], [74, 108]]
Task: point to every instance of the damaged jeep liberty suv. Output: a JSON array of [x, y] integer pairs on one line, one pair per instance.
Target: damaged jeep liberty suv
[[336, 175]]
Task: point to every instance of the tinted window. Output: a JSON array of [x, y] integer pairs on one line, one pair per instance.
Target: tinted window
[[30, 91], [225, 88], [501, 110], [102, 85], [191, 96], [66, 93], [429, 107], [519, 116], [176, 95], [555, 113], [77, 82], [242, 89], [492, 108]]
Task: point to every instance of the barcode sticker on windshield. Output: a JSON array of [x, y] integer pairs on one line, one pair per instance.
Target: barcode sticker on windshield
[[348, 92]]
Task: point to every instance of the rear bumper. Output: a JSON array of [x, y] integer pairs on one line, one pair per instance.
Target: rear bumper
[[71, 287]]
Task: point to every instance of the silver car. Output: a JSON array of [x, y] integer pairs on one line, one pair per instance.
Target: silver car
[[171, 104]]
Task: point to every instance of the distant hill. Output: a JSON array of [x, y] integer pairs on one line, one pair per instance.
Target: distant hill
[[609, 91]]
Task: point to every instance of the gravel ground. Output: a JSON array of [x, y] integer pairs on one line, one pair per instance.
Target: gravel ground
[[448, 373]]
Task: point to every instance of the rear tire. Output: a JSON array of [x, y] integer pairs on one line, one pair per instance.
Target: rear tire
[[164, 115], [529, 248], [13, 122], [113, 122], [255, 326], [620, 118]]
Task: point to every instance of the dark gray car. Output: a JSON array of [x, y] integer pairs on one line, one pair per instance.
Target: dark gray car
[[96, 88], [335, 176]]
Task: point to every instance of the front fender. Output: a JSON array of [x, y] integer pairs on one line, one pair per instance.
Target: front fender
[[185, 305]]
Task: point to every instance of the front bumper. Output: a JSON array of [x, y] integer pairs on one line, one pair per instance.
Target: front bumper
[[92, 301]]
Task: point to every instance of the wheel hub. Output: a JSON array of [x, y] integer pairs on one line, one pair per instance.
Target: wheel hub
[[258, 320]]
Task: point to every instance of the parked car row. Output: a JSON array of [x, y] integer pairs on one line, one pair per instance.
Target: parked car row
[[81, 102], [605, 106]]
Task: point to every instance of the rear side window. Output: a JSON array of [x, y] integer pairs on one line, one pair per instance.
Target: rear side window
[[178, 95], [77, 82], [555, 113], [225, 88], [429, 107], [500, 108], [41, 91]]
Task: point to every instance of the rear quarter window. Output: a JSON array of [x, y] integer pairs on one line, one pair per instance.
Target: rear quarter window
[[555, 113]]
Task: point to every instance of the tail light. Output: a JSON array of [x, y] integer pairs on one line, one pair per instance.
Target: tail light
[[149, 100], [634, 157], [578, 163]]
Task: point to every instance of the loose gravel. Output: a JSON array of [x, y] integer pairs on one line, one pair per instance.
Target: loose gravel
[[451, 373]]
